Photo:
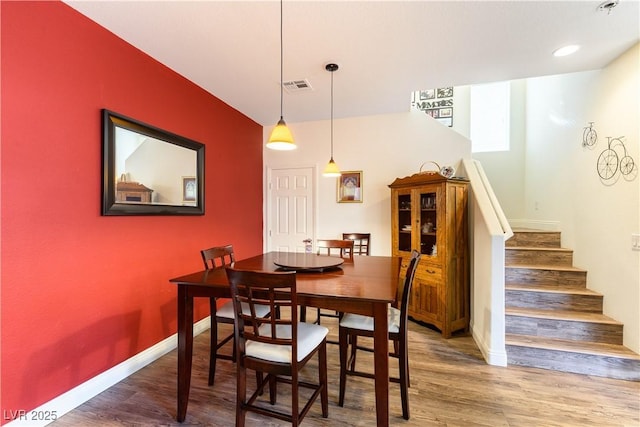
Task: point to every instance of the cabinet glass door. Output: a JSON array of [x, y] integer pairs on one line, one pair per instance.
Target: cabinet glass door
[[428, 224], [405, 224]]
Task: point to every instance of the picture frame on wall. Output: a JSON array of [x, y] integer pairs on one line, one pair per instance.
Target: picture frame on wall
[[427, 94], [445, 92], [445, 112], [350, 187], [189, 189]]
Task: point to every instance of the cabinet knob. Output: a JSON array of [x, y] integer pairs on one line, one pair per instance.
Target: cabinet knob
[[431, 271]]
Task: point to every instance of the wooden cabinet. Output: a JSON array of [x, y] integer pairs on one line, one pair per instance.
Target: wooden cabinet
[[132, 192], [429, 214]]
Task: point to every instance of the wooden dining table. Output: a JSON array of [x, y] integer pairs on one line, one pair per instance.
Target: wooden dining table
[[365, 286]]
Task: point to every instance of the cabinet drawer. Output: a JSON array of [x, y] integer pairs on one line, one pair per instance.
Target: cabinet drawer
[[424, 271], [429, 274]]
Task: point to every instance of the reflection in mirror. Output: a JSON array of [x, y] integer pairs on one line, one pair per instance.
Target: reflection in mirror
[[148, 171], [136, 174]]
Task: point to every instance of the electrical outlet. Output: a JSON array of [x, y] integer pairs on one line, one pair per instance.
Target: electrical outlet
[[635, 242]]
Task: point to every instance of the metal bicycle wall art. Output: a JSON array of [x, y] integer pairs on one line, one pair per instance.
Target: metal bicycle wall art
[[589, 136], [615, 158], [612, 159]]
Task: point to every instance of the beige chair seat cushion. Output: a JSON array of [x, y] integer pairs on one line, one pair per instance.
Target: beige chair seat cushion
[[226, 310], [365, 323], [309, 336]]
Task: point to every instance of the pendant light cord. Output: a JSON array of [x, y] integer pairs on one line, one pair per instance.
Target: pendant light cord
[[281, 64], [332, 115]]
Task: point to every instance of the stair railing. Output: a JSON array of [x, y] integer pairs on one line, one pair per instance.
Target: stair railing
[[487, 200], [490, 230]]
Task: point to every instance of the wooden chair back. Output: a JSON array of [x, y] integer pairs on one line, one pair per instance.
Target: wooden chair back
[[272, 289], [269, 344], [344, 248], [361, 242], [351, 327], [218, 256], [405, 290]]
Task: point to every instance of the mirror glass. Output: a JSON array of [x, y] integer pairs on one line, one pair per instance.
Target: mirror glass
[[148, 171]]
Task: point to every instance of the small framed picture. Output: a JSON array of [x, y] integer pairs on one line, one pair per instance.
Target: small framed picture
[[427, 94], [432, 113], [445, 112], [350, 187], [189, 189], [445, 92]]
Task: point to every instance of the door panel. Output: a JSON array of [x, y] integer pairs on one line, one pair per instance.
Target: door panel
[[290, 207]]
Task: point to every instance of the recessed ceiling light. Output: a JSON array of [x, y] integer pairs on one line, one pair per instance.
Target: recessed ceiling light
[[566, 50]]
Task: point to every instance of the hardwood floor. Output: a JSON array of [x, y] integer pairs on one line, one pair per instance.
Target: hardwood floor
[[451, 385]]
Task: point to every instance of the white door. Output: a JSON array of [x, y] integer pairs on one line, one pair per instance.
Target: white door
[[289, 209]]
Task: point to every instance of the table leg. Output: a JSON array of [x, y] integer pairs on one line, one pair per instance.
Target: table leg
[[185, 349], [381, 363]]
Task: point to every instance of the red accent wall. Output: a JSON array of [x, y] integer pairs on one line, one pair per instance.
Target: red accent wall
[[82, 292]]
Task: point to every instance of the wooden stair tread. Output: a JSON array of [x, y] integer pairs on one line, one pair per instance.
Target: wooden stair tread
[[568, 315], [553, 320], [545, 287], [532, 230], [547, 267], [592, 348], [534, 248], [551, 289]]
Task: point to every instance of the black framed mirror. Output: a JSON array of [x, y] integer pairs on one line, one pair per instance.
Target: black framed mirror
[[148, 171]]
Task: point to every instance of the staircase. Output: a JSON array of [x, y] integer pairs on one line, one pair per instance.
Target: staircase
[[552, 320]]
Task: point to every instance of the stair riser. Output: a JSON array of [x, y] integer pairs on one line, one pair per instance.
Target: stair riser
[[533, 257], [569, 279], [535, 239], [555, 289], [563, 329], [553, 301], [601, 366]]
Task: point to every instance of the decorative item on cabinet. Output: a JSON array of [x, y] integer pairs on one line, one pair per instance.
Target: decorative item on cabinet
[[429, 214]]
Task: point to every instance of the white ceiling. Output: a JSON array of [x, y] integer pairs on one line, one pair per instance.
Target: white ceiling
[[385, 49]]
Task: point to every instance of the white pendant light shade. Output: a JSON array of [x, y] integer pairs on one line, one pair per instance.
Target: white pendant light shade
[[332, 170], [281, 138]]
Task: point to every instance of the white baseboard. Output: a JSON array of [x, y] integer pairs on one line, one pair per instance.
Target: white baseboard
[[491, 356], [56, 408], [535, 224]]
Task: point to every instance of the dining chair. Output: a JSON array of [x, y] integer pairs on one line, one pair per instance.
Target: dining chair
[[331, 247], [354, 325], [278, 346], [219, 257], [361, 242]]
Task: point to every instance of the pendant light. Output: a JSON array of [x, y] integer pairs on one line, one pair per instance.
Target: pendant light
[[332, 169], [281, 138]]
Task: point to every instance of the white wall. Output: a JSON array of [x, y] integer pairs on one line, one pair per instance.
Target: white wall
[[384, 147], [506, 169], [596, 217], [549, 180], [548, 176]]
